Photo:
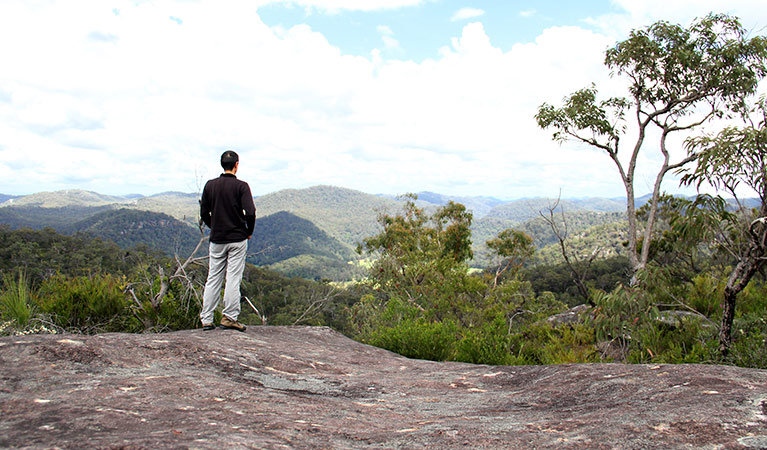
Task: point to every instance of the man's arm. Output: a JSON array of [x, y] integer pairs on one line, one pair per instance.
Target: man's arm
[[205, 207], [249, 209]]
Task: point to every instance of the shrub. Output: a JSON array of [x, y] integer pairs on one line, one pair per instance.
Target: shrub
[[178, 312], [632, 317], [418, 338], [705, 293], [16, 303], [489, 344], [401, 327], [87, 304], [561, 344], [749, 330]]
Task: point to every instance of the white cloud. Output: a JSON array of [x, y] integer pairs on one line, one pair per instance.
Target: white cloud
[[154, 105], [136, 102], [390, 42], [527, 13], [387, 35], [334, 6], [467, 13], [637, 14]]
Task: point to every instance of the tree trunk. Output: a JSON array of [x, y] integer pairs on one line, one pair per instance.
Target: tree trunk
[[738, 281]]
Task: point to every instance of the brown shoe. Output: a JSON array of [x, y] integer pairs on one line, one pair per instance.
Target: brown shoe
[[230, 324], [208, 327]]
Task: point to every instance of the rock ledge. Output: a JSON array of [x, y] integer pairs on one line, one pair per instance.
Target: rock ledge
[[302, 387]]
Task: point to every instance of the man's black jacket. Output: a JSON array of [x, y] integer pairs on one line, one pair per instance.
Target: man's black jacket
[[227, 208]]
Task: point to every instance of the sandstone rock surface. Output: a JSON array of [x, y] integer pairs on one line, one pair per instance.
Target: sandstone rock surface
[[305, 388]]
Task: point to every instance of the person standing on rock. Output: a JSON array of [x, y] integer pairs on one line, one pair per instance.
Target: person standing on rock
[[227, 208]]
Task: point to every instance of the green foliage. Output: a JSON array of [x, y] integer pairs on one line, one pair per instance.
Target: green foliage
[[43, 253], [16, 299], [414, 235], [490, 343], [703, 294], [296, 301], [548, 344], [166, 295], [401, 327], [582, 112], [176, 312], [429, 306], [749, 345], [675, 66], [604, 274], [679, 79], [735, 158], [515, 247], [652, 323], [318, 268], [667, 245], [519, 338], [423, 259], [665, 320], [87, 304]]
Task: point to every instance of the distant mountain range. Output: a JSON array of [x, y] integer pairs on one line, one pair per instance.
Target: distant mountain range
[[480, 206], [129, 227], [5, 198], [309, 232]]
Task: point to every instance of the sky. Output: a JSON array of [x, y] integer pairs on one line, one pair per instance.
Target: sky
[[382, 96]]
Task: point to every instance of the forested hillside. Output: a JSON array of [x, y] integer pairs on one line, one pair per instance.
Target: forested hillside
[[519, 211], [297, 247], [43, 253], [344, 214], [315, 240], [129, 228], [590, 229], [125, 227]]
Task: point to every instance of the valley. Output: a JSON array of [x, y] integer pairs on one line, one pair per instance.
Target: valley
[[313, 232]]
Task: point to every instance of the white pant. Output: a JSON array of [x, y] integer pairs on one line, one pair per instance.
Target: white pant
[[230, 258]]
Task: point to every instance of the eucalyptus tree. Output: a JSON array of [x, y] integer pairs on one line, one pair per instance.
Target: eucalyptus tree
[[734, 161], [678, 79], [513, 248], [422, 258]]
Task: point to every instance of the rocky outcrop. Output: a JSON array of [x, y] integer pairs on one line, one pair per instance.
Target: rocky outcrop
[[571, 316], [298, 387]]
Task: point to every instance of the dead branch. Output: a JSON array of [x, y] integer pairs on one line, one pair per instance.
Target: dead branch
[[578, 276], [318, 299]]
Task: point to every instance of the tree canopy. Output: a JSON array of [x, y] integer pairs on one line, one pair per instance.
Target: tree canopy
[[679, 78], [735, 157]]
